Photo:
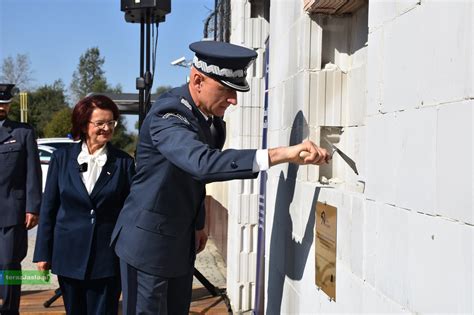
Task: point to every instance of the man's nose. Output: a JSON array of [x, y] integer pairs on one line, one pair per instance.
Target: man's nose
[[232, 98]]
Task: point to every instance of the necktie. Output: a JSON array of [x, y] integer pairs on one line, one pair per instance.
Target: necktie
[[209, 121]]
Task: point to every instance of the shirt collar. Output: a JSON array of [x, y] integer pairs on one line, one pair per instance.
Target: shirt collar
[[97, 153]]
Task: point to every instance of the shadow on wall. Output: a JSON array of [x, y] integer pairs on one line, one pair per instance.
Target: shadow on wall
[[288, 257]]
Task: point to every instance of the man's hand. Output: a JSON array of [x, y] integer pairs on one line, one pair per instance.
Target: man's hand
[[43, 265], [201, 240], [31, 220], [304, 153]]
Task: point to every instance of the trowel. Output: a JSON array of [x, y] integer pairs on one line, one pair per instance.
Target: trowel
[[334, 149], [346, 159]]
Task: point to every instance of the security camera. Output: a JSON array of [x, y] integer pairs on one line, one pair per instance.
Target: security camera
[[178, 61]]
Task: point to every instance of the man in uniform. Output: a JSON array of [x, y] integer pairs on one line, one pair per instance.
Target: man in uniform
[[20, 195], [161, 227]]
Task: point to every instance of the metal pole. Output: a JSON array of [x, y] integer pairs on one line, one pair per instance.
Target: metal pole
[[215, 18], [148, 82], [141, 105]]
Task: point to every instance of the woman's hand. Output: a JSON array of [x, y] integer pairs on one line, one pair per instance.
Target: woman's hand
[[201, 240], [43, 265]]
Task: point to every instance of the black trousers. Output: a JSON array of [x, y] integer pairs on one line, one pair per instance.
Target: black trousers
[[144, 293], [13, 247], [90, 297]]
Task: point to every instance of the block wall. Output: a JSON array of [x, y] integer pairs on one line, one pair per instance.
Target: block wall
[[397, 76]]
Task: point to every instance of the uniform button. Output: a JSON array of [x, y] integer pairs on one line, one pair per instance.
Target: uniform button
[[233, 165], [92, 221], [92, 212]]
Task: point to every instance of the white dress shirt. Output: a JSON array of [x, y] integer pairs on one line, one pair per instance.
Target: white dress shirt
[[95, 162]]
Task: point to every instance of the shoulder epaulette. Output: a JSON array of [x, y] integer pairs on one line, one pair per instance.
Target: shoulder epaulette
[[186, 103], [180, 117]]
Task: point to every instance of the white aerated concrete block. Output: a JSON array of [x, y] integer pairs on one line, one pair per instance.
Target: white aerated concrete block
[[274, 117], [415, 180], [392, 251], [372, 211], [357, 235], [257, 31], [454, 159], [316, 41], [353, 143], [238, 16], [381, 12], [317, 98], [313, 172], [403, 52], [375, 302], [438, 275], [383, 145], [253, 211], [243, 267], [334, 86], [447, 68], [349, 292], [304, 57], [354, 103], [375, 68]]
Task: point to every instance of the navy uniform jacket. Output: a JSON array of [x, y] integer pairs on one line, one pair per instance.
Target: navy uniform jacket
[[20, 173], [156, 229], [75, 228]]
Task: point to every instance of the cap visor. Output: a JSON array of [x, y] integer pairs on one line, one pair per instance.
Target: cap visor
[[240, 88]]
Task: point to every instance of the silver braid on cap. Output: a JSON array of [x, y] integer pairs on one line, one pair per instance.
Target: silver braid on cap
[[223, 72]]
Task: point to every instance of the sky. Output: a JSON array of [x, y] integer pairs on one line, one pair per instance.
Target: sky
[[55, 33]]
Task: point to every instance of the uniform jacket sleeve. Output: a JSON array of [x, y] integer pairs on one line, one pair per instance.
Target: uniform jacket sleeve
[[33, 174], [179, 142], [49, 210]]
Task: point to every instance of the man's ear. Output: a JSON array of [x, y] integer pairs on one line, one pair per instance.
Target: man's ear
[[196, 80]]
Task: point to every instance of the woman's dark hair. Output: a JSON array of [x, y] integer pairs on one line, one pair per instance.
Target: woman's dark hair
[[82, 112]]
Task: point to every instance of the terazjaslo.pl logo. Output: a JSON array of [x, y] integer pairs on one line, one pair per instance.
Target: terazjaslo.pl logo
[[17, 277]]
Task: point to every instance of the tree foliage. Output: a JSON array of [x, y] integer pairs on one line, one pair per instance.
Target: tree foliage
[[60, 124], [44, 103], [17, 71], [89, 76]]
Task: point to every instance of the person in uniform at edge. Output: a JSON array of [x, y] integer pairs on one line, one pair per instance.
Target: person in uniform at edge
[[20, 195], [86, 187], [161, 227]]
